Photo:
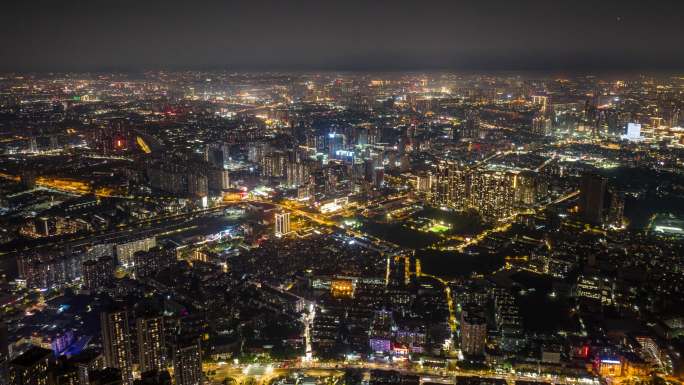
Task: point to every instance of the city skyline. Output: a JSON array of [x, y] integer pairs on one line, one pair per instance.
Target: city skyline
[[384, 192]]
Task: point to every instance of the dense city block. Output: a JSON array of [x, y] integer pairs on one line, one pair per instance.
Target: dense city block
[[220, 227]]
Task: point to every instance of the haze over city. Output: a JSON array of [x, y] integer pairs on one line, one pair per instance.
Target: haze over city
[[337, 35]]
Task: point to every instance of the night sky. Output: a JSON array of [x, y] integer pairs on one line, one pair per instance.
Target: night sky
[[341, 35]]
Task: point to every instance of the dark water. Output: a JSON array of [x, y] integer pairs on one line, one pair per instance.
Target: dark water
[[462, 223], [400, 234], [640, 210], [659, 192], [450, 264]]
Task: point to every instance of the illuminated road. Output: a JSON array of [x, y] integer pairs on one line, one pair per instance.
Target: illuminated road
[[490, 157], [546, 163], [255, 108], [319, 369], [563, 198], [450, 301]]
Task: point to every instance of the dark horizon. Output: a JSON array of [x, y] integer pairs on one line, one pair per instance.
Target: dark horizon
[[86, 36], [544, 73]]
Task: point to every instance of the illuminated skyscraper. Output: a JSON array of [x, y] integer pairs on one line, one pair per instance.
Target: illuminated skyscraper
[[282, 224], [4, 350], [125, 251], [458, 187], [117, 343], [149, 263], [492, 193], [473, 335], [97, 273], [471, 126], [151, 344], [381, 332], [633, 132], [336, 142], [526, 188], [218, 179], [63, 375], [30, 368], [541, 101], [541, 125], [297, 173], [187, 362], [616, 210]]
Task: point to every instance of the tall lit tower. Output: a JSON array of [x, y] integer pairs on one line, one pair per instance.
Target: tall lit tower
[[282, 224], [187, 362], [473, 335], [30, 368], [471, 125], [541, 101], [150, 342], [117, 343]]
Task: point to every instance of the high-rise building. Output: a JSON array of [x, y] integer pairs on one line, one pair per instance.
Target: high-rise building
[[541, 101], [4, 351], [273, 164], [30, 368], [42, 226], [473, 335], [64, 374], [424, 183], [155, 378], [541, 125], [33, 145], [298, 173], [526, 188], [216, 154], [379, 177], [492, 193], [633, 132], [182, 175], [86, 362], [282, 224], [615, 213], [592, 198], [117, 342], [99, 273], [225, 179], [149, 263], [106, 376], [471, 125], [49, 269], [125, 251], [508, 320], [187, 362], [336, 142], [28, 178], [381, 332], [256, 152], [151, 345], [218, 179]]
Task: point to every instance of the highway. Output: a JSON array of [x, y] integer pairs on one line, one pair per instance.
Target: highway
[[243, 374]]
